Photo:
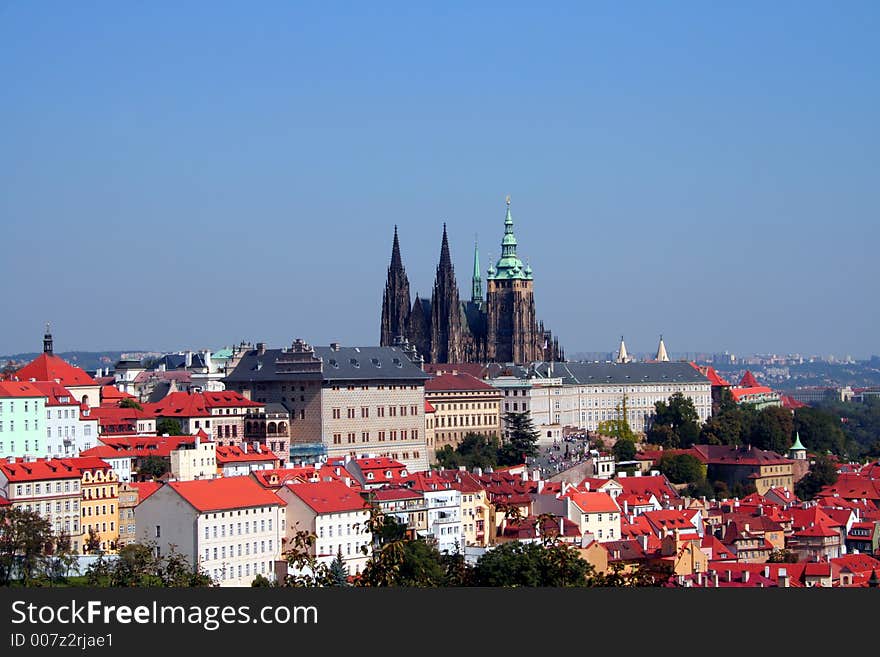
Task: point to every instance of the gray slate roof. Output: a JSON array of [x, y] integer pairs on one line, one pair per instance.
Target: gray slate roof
[[344, 364], [621, 373]]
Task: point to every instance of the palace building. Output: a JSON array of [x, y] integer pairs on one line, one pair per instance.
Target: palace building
[[498, 327]]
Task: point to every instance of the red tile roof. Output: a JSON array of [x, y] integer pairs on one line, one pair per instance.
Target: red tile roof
[[658, 486], [178, 404], [19, 389], [145, 489], [46, 367], [429, 408], [749, 381], [732, 455], [39, 469], [527, 528], [456, 382], [228, 399], [791, 403], [225, 493], [55, 392], [112, 394], [235, 454], [388, 494], [740, 394], [593, 502], [329, 497], [140, 446]]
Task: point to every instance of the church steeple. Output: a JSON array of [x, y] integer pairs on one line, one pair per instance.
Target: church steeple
[[395, 300], [47, 341], [662, 357], [477, 281], [509, 265], [622, 356]]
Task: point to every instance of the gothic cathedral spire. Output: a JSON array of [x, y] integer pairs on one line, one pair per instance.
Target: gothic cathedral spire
[[395, 300], [476, 280], [446, 331]]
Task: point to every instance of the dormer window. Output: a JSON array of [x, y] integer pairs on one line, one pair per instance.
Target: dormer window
[[369, 475]]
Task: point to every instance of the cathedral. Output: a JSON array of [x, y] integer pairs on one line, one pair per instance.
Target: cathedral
[[499, 327]]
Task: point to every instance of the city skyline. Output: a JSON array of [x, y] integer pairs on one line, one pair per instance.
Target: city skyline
[[692, 172]]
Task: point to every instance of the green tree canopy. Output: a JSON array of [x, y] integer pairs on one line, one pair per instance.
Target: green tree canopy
[[821, 430], [772, 429], [170, 426], [675, 423], [517, 564], [154, 466], [131, 402], [624, 449], [823, 472], [474, 451], [682, 468], [26, 542], [522, 441]]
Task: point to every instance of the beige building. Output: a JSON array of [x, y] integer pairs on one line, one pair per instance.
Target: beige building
[[350, 400], [463, 404], [100, 503], [195, 460]]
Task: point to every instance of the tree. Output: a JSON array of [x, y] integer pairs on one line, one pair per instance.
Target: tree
[[261, 582], [772, 429], [822, 473], [131, 402], [170, 426], [617, 427], [522, 440], [25, 542], [338, 571], [137, 565], [820, 430], [154, 467], [782, 556], [516, 564], [474, 451], [92, 544], [624, 450], [308, 572], [726, 427], [682, 468], [675, 424]]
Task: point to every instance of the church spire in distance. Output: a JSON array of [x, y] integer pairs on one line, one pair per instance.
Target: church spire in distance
[[477, 280], [395, 300]]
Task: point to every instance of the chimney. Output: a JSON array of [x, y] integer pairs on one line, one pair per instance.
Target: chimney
[[783, 578], [261, 348], [621, 474], [347, 481], [655, 473], [561, 526], [244, 446], [699, 578], [536, 475], [715, 579], [643, 539], [729, 575], [478, 472], [540, 486], [188, 359], [767, 572], [625, 508], [746, 575], [587, 486], [334, 346]]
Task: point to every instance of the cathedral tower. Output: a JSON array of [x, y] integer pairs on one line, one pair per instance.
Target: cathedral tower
[[446, 334], [512, 329], [395, 300]]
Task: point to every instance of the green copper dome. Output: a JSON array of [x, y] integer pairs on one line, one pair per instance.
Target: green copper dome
[[509, 266], [797, 442]]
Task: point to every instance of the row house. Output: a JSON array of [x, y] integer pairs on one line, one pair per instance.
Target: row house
[[100, 505], [405, 505], [376, 472], [231, 528], [188, 457], [337, 515], [49, 487], [746, 464], [442, 509]]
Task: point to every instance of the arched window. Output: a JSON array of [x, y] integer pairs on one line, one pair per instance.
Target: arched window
[[272, 428]]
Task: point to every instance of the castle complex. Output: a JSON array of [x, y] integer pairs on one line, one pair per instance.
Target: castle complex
[[500, 327]]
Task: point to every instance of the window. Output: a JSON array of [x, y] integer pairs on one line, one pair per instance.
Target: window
[[380, 411], [365, 411], [350, 413], [336, 413], [158, 531]]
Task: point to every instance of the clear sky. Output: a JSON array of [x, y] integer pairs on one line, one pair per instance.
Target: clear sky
[[193, 174]]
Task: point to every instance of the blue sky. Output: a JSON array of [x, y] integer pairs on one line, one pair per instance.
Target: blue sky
[[193, 174]]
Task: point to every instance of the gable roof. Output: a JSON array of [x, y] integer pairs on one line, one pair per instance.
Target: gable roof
[[235, 454], [48, 367], [20, 389], [749, 381], [592, 502], [224, 493], [39, 469], [329, 497]]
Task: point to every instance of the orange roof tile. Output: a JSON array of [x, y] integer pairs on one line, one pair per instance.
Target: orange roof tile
[[329, 497], [46, 367], [224, 493]]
